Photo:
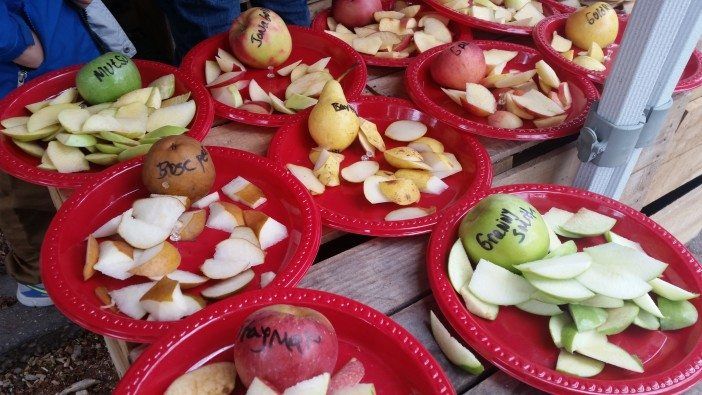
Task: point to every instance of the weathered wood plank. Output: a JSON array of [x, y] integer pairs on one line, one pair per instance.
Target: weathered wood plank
[[501, 383], [683, 217], [557, 167]]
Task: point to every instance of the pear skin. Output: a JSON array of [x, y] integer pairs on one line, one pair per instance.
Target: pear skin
[[333, 124]]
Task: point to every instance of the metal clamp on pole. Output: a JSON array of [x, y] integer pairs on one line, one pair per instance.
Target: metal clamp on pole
[[655, 117], [606, 144]]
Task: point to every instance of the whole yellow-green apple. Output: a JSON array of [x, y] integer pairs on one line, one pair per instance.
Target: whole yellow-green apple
[[504, 229], [595, 23], [259, 38]]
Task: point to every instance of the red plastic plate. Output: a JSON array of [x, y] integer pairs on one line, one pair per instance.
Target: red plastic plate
[[459, 31], [19, 164], [543, 33], [63, 251], [393, 359], [672, 360], [430, 98], [345, 207], [480, 24], [308, 45]]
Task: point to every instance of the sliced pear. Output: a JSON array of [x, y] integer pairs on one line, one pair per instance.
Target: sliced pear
[[405, 130], [497, 285], [670, 291], [207, 200], [568, 290], [193, 304], [232, 256], [218, 378], [369, 130], [162, 211], [562, 268], [307, 178], [92, 253], [454, 351], [66, 159], [359, 171], [229, 286], [141, 234], [157, 261], [242, 191], [371, 189], [286, 70], [676, 314], [176, 100], [619, 319], [578, 365], [245, 233], [189, 226], [453, 168], [164, 301], [400, 191], [115, 259], [615, 238], [175, 115], [560, 44], [268, 231], [109, 228], [319, 65], [405, 158], [127, 299], [626, 260], [408, 213], [225, 216], [267, 278], [184, 278]]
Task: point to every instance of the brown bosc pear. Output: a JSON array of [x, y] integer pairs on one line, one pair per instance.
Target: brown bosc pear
[[333, 123]]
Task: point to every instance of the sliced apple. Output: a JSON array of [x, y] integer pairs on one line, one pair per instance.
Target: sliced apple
[[555, 327], [454, 94], [676, 314], [588, 223], [589, 63], [65, 96], [425, 41], [459, 268], [212, 71], [66, 159], [538, 104], [315, 386], [615, 283], [595, 52], [493, 57], [298, 102], [546, 74], [511, 80], [569, 290], [433, 15], [364, 31], [628, 260], [341, 29], [268, 231], [225, 79], [368, 45], [207, 200], [505, 120], [310, 85], [603, 301], [229, 286], [497, 285], [560, 44], [438, 30], [611, 354], [670, 291], [175, 115], [164, 301], [127, 299], [538, 307], [479, 100], [286, 70], [72, 119], [256, 93], [454, 351], [46, 116], [345, 37], [229, 58], [228, 94]]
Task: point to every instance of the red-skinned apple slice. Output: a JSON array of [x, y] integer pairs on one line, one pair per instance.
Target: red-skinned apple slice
[[260, 387], [547, 75], [256, 93], [454, 94], [403, 44], [550, 121], [536, 103], [367, 45], [380, 15], [349, 375], [226, 79], [257, 107], [286, 70], [228, 95], [479, 100], [411, 11], [212, 71], [515, 79], [564, 95], [425, 42], [434, 15], [438, 30], [493, 57], [229, 58], [514, 108], [505, 120]]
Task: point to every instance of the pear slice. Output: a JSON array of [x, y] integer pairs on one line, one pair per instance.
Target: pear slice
[[165, 85], [424, 180], [104, 296], [66, 159], [267, 278], [242, 191], [626, 260], [114, 259], [588, 223], [189, 226], [136, 96], [408, 213], [133, 152], [141, 234], [563, 268], [670, 291], [578, 365], [245, 233], [326, 168], [206, 200], [109, 228], [615, 283], [453, 168], [234, 256], [47, 116], [307, 178], [426, 144], [157, 261], [212, 71], [676, 314], [567, 248], [286, 70], [92, 253], [371, 189], [14, 121], [185, 279], [438, 30], [400, 191], [225, 216], [229, 286], [102, 159], [369, 130], [478, 307], [164, 301], [314, 386], [34, 107], [587, 317], [359, 171], [568, 290], [555, 327], [310, 85], [127, 299], [100, 123], [603, 301], [537, 307], [454, 351], [175, 115], [223, 269], [647, 320], [268, 231], [619, 319], [497, 285], [405, 158], [405, 130], [33, 149], [459, 268], [162, 211]]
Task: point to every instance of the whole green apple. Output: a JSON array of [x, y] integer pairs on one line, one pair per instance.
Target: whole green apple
[[505, 230], [107, 77]]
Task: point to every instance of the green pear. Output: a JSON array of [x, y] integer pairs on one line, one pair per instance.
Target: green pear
[[333, 123]]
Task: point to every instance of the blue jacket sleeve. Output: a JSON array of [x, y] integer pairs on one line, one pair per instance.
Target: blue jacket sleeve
[[15, 34]]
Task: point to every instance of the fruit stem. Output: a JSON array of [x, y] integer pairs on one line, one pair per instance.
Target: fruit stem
[[345, 73]]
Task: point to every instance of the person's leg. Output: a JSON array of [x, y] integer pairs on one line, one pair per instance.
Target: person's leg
[[25, 213], [294, 12], [192, 21]]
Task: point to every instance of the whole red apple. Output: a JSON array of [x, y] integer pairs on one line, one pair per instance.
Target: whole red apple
[[260, 38], [355, 13], [284, 345], [459, 64]]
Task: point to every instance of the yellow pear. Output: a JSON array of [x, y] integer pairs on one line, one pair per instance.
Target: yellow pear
[[596, 23], [333, 124]]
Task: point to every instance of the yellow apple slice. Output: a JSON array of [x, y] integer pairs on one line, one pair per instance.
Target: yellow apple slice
[[406, 130], [136, 96], [595, 52], [547, 75], [326, 168], [589, 63], [433, 15], [34, 107], [511, 80], [100, 123], [493, 57], [314, 386], [359, 171], [256, 93], [307, 178], [268, 231], [425, 42], [228, 95], [175, 115], [47, 116], [229, 286], [411, 11], [367, 45], [73, 118], [560, 44], [14, 121], [66, 96]]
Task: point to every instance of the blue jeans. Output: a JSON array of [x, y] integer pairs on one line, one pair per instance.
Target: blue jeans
[[192, 21]]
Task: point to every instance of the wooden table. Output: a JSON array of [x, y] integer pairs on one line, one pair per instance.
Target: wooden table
[[390, 275]]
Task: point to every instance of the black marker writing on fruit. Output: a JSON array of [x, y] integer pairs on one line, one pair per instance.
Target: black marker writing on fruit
[[262, 27], [508, 222], [271, 337], [458, 48], [109, 67]]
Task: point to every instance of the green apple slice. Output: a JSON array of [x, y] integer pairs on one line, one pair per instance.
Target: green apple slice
[[572, 340], [66, 159], [76, 140], [587, 317], [646, 302], [578, 365], [454, 351], [91, 148], [163, 131], [176, 100], [14, 121], [568, 290], [546, 298], [122, 146], [607, 281], [133, 128], [47, 116], [102, 159], [154, 100], [478, 307], [98, 107], [564, 249], [133, 110], [459, 268], [133, 152], [46, 166], [65, 96], [116, 138], [603, 301], [611, 354], [555, 327], [497, 285], [278, 105], [33, 149], [627, 259], [555, 218], [670, 291], [176, 115], [588, 223], [136, 96], [619, 319], [553, 241], [358, 389], [537, 307], [108, 148], [647, 320], [72, 119], [165, 84], [562, 268], [299, 102], [676, 314], [20, 133], [612, 237]]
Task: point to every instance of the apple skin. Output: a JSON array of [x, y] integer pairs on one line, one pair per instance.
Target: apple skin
[[178, 165], [284, 345], [107, 77], [355, 13], [459, 64], [259, 38], [505, 230], [595, 23]]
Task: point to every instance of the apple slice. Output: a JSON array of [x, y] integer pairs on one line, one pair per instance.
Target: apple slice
[[563, 268], [588, 223], [157, 261], [256, 93], [619, 319], [127, 299], [364, 31], [411, 11], [497, 285], [546, 298], [45, 117], [279, 105], [207, 200], [611, 354], [405, 130], [100, 123], [578, 365], [645, 302], [438, 30], [572, 339], [307, 178], [546, 74], [378, 15], [310, 85], [225, 216], [258, 107], [229, 58], [319, 65], [538, 307], [368, 45], [479, 100], [298, 102], [212, 71], [65, 96], [345, 37], [228, 94], [628, 260], [646, 320], [603, 301], [245, 233], [14, 121], [286, 70], [425, 41], [348, 377], [493, 57], [478, 307], [315, 386], [454, 351], [589, 63], [568, 290], [560, 44], [504, 120], [484, 13], [538, 104], [259, 387], [595, 52], [342, 29], [242, 191], [555, 327], [66, 159], [175, 115], [670, 291], [268, 231], [608, 281], [76, 140], [514, 108], [587, 318], [676, 314], [407, 213], [359, 171], [511, 80], [164, 301], [225, 79], [72, 119], [433, 15], [529, 12], [454, 94], [615, 238]]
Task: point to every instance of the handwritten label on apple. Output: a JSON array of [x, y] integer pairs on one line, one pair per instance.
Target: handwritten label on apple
[[262, 27], [272, 337], [108, 68], [517, 224]]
